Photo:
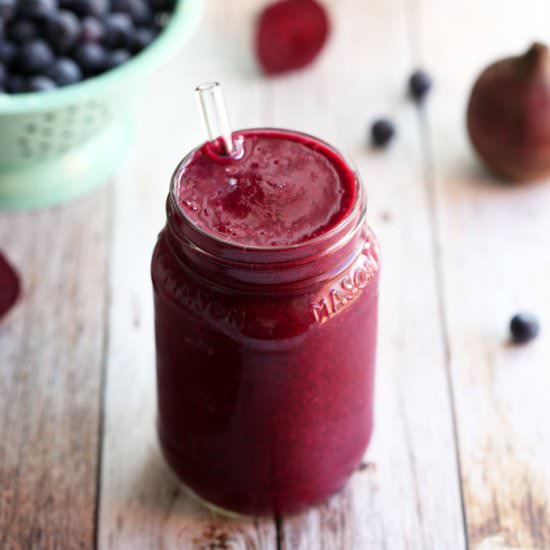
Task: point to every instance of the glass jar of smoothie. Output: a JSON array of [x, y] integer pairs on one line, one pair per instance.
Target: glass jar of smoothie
[[265, 286]]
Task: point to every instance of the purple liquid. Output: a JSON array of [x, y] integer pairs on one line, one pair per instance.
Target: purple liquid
[[282, 192], [265, 357]]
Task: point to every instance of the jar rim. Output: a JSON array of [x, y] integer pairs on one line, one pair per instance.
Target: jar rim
[[359, 206]]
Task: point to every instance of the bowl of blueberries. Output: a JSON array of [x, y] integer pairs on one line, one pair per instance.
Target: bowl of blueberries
[[68, 72]]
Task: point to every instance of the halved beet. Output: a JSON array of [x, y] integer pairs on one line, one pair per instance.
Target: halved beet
[[9, 286], [290, 34]]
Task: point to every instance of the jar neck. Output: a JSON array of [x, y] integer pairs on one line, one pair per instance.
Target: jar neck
[[229, 263]]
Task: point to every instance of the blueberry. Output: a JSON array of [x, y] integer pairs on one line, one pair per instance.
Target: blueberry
[[161, 20], [116, 57], [7, 9], [98, 8], [382, 132], [420, 84], [21, 30], [524, 327], [7, 52], [65, 71], [162, 5], [91, 29], [89, 36], [40, 84], [91, 57], [118, 30], [141, 38], [139, 10], [62, 30], [36, 8], [16, 84], [34, 57], [3, 90]]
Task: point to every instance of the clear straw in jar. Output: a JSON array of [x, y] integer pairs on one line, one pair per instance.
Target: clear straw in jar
[[214, 114]]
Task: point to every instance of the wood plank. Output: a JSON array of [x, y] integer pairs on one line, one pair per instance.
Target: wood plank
[[492, 240], [51, 348], [408, 494], [142, 504]]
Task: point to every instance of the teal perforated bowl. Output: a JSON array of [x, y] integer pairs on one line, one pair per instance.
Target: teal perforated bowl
[[57, 145]]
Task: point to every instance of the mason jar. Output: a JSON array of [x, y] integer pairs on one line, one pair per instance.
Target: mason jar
[[265, 359]]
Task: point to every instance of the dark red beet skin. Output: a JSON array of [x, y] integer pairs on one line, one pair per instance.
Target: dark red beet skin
[[9, 286], [290, 35], [508, 116]]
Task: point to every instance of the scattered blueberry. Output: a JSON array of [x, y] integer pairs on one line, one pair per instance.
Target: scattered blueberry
[[118, 30], [382, 132], [16, 84], [65, 71], [3, 74], [7, 9], [139, 10], [21, 30], [2, 90], [420, 84], [62, 30], [91, 57], [141, 39], [7, 52], [91, 29], [524, 327], [40, 84], [36, 8]]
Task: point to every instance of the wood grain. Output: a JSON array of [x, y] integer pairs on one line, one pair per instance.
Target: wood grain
[[409, 496], [492, 240], [51, 348], [461, 253], [142, 503]]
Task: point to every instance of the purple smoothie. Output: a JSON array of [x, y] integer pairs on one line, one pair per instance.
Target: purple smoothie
[[266, 285]]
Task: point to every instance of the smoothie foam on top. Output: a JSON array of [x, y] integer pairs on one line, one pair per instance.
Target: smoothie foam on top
[[286, 189]]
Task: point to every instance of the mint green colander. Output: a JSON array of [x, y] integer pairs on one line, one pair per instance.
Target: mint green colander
[[57, 145]]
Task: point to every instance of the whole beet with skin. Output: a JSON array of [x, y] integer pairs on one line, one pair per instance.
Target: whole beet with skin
[[508, 115]]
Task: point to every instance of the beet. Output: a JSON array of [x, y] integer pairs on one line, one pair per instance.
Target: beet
[[290, 35]]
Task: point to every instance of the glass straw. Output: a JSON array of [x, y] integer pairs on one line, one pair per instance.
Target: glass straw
[[214, 114]]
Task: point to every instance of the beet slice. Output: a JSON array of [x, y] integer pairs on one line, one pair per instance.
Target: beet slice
[[290, 34], [9, 286]]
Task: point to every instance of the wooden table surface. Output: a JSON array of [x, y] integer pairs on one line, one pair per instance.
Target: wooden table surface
[[461, 453]]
